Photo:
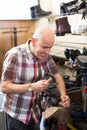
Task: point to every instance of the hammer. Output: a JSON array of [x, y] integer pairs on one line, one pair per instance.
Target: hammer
[[49, 80], [51, 77]]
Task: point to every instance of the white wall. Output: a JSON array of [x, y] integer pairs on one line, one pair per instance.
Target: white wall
[[16, 9]]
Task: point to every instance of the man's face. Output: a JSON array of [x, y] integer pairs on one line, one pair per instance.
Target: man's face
[[42, 48]]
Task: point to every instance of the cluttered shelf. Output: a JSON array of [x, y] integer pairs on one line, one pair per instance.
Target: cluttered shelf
[[68, 41]]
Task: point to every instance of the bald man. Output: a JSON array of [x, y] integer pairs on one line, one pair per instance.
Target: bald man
[[22, 80]]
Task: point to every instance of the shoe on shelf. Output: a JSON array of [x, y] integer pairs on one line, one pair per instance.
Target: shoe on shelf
[[36, 12], [62, 26]]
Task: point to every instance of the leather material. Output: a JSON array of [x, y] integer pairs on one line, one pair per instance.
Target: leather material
[[73, 7], [62, 26], [68, 7], [59, 113], [36, 12], [70, 3]]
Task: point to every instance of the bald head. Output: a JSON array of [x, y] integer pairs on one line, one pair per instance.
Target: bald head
[[44, 33], [42, 42]]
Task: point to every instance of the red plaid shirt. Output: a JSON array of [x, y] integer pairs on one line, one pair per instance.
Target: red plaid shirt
[[21, 67]]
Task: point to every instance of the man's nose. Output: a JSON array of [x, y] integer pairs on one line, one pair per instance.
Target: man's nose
[[47, 50]]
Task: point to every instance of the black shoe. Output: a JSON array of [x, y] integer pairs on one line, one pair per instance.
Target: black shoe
[[66, 53], [36, 12], [67, 8], [81, 5], [70, 3]]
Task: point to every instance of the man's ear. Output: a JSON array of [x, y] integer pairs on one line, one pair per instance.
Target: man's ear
[[33, 40]]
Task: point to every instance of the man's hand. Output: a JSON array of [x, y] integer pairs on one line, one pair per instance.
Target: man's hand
[[40, 85], [65, 101]]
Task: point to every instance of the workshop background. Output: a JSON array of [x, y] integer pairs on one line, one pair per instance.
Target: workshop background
[[68, 20]]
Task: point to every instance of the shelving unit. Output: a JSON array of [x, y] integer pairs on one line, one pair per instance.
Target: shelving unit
[[68, 41]]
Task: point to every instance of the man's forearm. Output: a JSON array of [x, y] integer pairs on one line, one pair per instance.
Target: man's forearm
[[60, 84], [9, 87]]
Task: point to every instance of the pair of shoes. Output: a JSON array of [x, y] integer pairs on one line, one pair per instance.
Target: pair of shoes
[[62, 26], [71, 53], [67, 8], [72, 7], [36, 12]]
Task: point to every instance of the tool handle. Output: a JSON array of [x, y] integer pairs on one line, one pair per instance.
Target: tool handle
[[49, 80]]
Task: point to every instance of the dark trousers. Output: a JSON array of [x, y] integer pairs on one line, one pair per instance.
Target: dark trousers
[[13, 124]]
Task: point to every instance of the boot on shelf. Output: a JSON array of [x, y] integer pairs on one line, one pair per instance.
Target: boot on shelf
[[67, 8], [57, 27], [36, 11], [70, 3], [81, 5], [75, 6], [62, 26]]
